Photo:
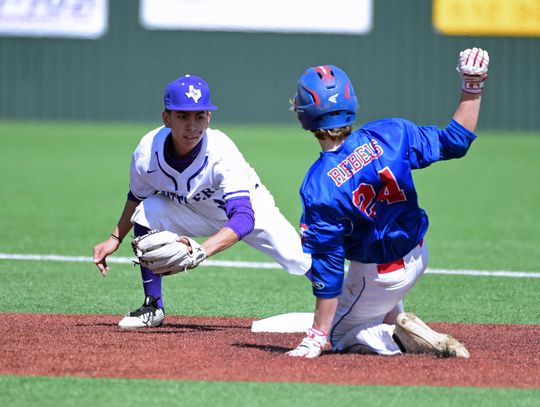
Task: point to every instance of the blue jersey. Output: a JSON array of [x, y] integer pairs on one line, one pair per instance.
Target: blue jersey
[[359, 201]]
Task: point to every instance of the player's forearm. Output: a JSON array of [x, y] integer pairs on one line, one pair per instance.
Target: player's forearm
[[468, 110], [124, 223], [222, 240], [325, 309]]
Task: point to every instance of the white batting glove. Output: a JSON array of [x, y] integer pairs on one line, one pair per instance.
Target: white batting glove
[[311, 346], [473, 66]]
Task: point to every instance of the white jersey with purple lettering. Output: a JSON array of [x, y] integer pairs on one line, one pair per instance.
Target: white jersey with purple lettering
[[192, 202], [218, 173]]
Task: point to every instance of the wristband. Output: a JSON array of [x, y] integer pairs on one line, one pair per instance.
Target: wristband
[[116, 237], [473, 84]]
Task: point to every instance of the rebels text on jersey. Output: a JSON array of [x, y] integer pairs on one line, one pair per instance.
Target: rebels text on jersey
[[359, 201]]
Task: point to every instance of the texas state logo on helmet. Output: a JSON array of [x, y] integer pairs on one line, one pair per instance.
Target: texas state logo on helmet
[[325, 98]]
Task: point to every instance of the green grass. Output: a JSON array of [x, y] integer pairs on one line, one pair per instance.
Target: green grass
[[498, 300], [57, 287], [484, 207], [80, 392], [64, 185]]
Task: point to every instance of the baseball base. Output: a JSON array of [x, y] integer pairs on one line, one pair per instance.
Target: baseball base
[[285, 323]]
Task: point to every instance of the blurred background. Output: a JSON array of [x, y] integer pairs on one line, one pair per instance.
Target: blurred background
[[110, 60]]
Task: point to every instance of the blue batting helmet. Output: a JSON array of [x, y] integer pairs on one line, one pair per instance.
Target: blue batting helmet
[[325, 98], [188, 93]]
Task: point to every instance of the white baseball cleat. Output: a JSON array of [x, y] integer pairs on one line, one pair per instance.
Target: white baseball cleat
[[147, 316], [416, 337]]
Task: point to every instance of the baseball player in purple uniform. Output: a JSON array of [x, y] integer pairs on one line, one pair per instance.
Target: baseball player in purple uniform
[[192, 180], [360, 204]]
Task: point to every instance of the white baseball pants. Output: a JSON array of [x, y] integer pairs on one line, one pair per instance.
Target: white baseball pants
[[370, 293]]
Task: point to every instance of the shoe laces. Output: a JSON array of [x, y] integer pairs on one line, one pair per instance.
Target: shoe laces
[[149, 307]]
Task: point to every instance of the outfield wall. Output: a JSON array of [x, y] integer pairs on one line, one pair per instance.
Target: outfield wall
[[403, 67]]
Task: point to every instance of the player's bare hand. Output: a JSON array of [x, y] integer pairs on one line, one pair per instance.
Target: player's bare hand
[[185, 240], [101, 251]]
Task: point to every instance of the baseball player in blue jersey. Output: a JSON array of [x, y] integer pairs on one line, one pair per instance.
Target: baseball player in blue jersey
[[360, 204], [191, 180]]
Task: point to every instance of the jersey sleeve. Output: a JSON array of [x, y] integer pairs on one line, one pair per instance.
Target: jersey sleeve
[[132, 197], [321, 233], [139, 183], [241, 216], [428, 144], [139, 188], [455, 141], [231, 171], [323, 238], [327, 274]]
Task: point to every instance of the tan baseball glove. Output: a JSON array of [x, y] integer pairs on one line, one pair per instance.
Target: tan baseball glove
[[165, 255]]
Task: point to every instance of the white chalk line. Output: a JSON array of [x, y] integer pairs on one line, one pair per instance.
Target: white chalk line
[[256, 265]]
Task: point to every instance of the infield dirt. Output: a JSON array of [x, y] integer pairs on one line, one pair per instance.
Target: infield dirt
[[225, 349]]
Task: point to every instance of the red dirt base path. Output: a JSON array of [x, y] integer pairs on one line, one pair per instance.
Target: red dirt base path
[[225, 349]]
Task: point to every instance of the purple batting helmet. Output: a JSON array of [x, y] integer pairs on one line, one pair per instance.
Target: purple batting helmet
[[325, 98], [188, 93]]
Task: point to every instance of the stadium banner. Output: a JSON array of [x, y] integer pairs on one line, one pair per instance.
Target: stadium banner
[[516, 18], [87, 19], [297, 16]]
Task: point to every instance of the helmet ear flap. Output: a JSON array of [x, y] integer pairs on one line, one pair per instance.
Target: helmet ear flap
[[306, 97]]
